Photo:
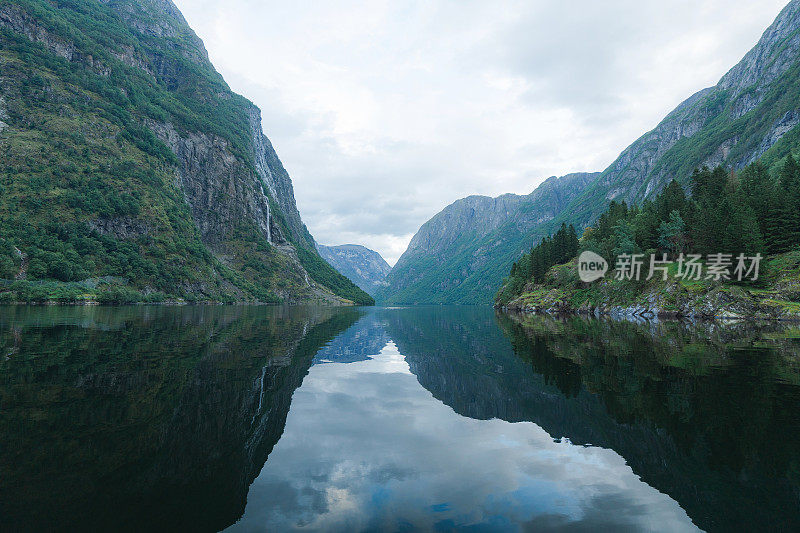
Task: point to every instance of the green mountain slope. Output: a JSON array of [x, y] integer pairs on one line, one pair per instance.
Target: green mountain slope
[[753, 113], [462, 254], [130, 167]]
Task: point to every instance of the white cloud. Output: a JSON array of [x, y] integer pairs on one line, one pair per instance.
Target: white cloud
[[385, 112]]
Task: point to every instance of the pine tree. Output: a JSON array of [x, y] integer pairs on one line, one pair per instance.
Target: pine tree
[[710, 190], [757, 191], [772, 219], [742, 233], [672, 198], [672, 233], [574, 242], [646, 226], [789, 185]]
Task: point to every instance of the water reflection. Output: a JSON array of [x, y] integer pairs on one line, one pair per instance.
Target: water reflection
[[393, 419], [705, 413], [386, 456], [145, 418], [365, 338]]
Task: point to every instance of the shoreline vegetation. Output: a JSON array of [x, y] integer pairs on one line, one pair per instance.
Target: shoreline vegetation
[[131, 172], [562, 293], [99, 292], [750, 213]]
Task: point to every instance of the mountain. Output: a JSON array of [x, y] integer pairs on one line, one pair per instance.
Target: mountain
[[129, 164], [462, 254], [751, 114], [364, 267]]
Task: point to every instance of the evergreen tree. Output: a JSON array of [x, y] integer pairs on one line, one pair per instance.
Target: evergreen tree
[[708, 221], [742, 233], [574, 242], [646, 224], [624, 236], [789, 189], [752, 212], [672, 233], [672, 198], [757, 191]]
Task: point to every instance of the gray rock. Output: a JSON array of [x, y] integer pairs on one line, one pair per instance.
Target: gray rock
[[483, 228], [639, 171], [238, 196]]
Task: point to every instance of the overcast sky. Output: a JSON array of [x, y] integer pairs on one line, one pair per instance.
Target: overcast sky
[[384, 112]]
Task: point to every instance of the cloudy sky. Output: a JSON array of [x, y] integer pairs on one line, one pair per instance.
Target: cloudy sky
[[384, 112]]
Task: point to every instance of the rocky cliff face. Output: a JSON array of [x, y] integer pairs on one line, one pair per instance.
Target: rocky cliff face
[[462, 254], [364, 267], [751, 113], [172, 117]]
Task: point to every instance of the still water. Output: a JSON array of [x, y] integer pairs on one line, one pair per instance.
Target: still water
[[432, 419]]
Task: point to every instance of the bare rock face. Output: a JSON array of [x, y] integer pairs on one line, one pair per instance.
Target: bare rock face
[[120, 227], [211, 179], [17, 20], [752, 113], [277, 180], [3, 115], [163, 20]]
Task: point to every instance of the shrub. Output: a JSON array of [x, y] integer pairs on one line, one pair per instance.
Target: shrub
[[118, 295]]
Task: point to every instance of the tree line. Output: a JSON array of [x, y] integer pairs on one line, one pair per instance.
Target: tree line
[[721, 212]]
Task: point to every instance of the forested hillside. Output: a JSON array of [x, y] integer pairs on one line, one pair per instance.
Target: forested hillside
[[727, 216], [130, 171]]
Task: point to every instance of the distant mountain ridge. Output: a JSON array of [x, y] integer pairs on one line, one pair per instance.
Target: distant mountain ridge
[[364, 267], [463, 253], [752, 114]]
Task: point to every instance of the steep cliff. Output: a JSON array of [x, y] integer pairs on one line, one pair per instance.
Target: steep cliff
[[462, 254], [752, 113], [364, 267], [126, 157]]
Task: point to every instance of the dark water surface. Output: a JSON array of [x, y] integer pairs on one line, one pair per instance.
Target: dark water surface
[[432, 419]]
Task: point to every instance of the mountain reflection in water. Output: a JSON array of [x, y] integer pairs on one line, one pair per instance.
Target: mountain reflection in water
[[257, 418]]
